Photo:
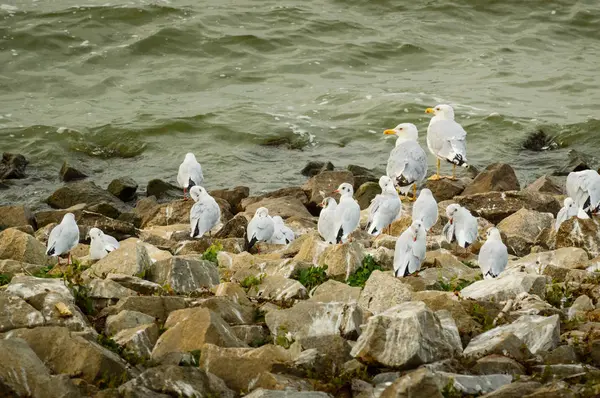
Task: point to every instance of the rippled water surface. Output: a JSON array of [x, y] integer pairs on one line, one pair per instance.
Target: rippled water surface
[[257, 88]]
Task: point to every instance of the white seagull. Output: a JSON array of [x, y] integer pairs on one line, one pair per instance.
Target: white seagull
[[63, 238], [384, 208], [282, 234], [205, 213], [425, 209], [461, 226], [584, 188], [407, 164], [493, 255], [101, 244], [190, 173], [446, 139], [347, 213], [326, 224], [410, 250], [569, 210], [260, 228]]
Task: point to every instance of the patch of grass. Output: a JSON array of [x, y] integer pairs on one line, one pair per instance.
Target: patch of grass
[[480, 315], [251, 281], [312, 277], [113, 381], [5, 279], [210, 254], [195, 360], [45, 273], [455, 284], [470, 264], [449, 391], [559, 295], [360, 277], [110, 344]]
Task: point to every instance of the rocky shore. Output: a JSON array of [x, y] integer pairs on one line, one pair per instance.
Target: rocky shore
[[166, 316]]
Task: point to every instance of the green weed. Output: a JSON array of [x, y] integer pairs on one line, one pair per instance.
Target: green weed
[[210, 254], [251, 281], [4, 279], [312, 277], [480, 315], [110, 344], [455, 284], [360, 277]]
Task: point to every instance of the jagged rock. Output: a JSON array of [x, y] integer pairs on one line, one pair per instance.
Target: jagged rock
[[233, 292], [334, 291], [555, 389], [498, 364], [66, 352], [383, 291], [17, 313], [286, 206], [515, 390], [288, 192], [184, 275], [311, 246], [441, 266], [546, 185], [234, 196], [264, 393], [438, 300], [536, 263], [136, 284], [308, 318], [138, 340], [561, 354], [522, 228], [420, 382], [157, 306], [473, 385], [362, 175], [496, 177], [105, 209], [123, 188], [315, 167], [12, 267], [325, 182], [207, 327], [405, 336], [342, 260], [253, 335], [22, 247], [126, 320], [15, 216], [324, 355], [530, 304], [282, 382], [575, 232], [133, 257], [68, 173], [162, 190], [563, 371], [239, 367], [108, 289], [365, 194], [234, 228], [506, 286], [83, 192], [278, 288], [580, 306], [446, 189], [179, 381], [200, 245], [233, 313], [12, 166]]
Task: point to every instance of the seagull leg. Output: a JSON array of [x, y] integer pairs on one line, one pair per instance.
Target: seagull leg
[[185, 194], [436, 176], [453, 176], [414, 197], [69, 258]]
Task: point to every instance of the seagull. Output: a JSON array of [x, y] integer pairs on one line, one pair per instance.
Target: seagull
[[584, 188], [407, 164], [446, 139], [260, 228], [384, 208], [205, 213], [461, 226], [347, 213], [190, 173], [282, 234], [567, 211], [101, 244], [493, 255], [326, 224], [425, 209], [410, 250], [63, 238]]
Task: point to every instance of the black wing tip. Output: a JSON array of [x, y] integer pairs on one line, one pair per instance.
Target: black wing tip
[[401, 181], [191, 183], [338, 238], [50, 252], [459, 160], [252, 242]]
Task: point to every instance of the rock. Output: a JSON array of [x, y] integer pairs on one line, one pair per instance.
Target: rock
[[12, 166], [580, 306], [445, 188], [253, 335], [515, 390], [11, 267], [200, 245], [441, 267], [233, 313], [315, 167], [234, 228], [119, 230], [496, 206], [239, 367], [184, 275], [287, 206], [133, 257], [365, 194], [342, 260], [282, 382], [138, 340], [178, 381], [437, 300], [535, 263], [278, 288], [82, 192], [233, 292], [136, 284], [288, 192], [188, 330], [564, 354], [123, 188], [126, 320], [420, 382], [69, 173], [545, 184], [496, 177], [169, 213], [362, 175], [473, 385], [405, 336], [330, 355], [575, 232], [505, 343], [108, 289], [325, 182], [311, 246], [19, 246], [15, 216], [163, 190], [66, 352], [506, 286], [498, 364], [306, 319], [576, 161], [334, 291], [233, 196], [522, 229], [16, 313], [158, 307], [383, 291], [264, 393], [106, 209]]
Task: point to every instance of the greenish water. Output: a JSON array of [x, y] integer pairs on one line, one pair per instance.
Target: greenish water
[[126, 88]]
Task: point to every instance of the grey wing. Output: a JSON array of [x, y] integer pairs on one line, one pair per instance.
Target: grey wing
[[110, 243], [375, 203], [466, 232], [195, 173], [52, 239], [402, 254], [408, 160], [418, 251], [448, 232], [288, 233], [264, 228], [183, 176], [577, 187], [493, 258], [561, 217], [448, 139], [67, 239]]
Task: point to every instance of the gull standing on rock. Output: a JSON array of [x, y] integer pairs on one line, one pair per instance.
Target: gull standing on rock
[[407, 164], [326, 224], [260, 228], [425, 209], [461, 226], [190, 173], [569, 210], [384, 208], [347, 213], [446, 139], [101, 244], [63, 238], [282, 234], [493, 255], [584, 188], [205, 213], [410, 250]]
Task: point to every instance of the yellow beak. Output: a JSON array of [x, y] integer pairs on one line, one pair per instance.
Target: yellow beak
[[389, 132], [429, 110]]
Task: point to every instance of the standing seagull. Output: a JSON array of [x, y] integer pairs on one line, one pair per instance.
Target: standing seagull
[[461, 226], [63, 238], [101, 244], [190, 173], [584, 188], [326, 224], [410, 250], [385, 207], [282, 234], [446, 139], [567, 211], [407, 164], [347, 213], [493, 255], [260, 228], [425, 209], [205, 213]]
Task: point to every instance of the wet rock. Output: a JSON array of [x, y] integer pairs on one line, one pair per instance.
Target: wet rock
[[15, 216], [17, 313], [233, 196], [342, 260], [278, 288], [158, 307], [188, 330], [506, 286], [68, 173], [362, 175], [575, 232], [445, 188], [123, 188], [405, 336], [234, 228], [366, 193], [233, 313], [12, 166], [12, 267], [162, 190], [496, 177], [576, 161], [420, 382], [438, 300], [334, 291], [82, 192], [138, 340], [19, 246], [287, 206], [325, 183], [178, 381], [136, 284], [133, 258], [126, 320], [383, 291], [184, 275], [515, 390], [473, 385], [498, 364], [315, 167], [545, 184], [522, 228]]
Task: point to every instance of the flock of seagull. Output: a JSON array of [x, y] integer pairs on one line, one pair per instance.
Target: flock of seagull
[[406, 167]]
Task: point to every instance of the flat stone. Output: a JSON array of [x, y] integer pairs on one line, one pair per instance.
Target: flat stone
[[278, 288], [473, 385], [536, 263], [184, 275], [505, 287], [16, 313], [108, 289], [136, 284], [133, 258], [515, 390], [126, 320], [158, 307], [233, 313], [334, 291], [19, 246]]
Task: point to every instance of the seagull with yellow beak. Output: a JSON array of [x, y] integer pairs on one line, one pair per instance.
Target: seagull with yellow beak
[[446, 139]]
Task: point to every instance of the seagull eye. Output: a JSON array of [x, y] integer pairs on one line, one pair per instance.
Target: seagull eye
[[437, 109], [401, 128]]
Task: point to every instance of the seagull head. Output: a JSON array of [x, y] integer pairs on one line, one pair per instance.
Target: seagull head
[[262, 212], [404, 131], [328, 201], [426, 192], [568, 203], [197, 192], [69, 217], [95, 233], [190, 157], [386, 184], [345, 189], [277, 220], [451, 211], [441, 111], [494, 234], [418, 229]]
